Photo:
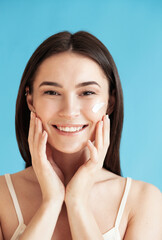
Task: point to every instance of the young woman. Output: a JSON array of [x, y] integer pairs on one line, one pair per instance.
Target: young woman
[[69, 116]]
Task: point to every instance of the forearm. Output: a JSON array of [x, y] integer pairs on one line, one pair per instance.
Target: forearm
[[43, 223], [82, 223]]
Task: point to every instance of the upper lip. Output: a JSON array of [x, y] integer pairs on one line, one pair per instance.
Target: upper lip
[[70, 125]]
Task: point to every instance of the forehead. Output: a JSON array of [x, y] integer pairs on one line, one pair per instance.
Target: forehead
[[69, 67]]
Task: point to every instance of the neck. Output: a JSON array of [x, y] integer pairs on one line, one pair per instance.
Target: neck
[[69, 163]]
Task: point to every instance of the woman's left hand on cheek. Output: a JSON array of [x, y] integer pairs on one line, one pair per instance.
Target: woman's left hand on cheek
[[80, 185]]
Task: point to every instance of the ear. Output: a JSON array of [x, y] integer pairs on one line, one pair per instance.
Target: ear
[[29, 100], [111, 104]]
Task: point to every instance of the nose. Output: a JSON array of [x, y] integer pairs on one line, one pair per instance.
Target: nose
[[69, 108]]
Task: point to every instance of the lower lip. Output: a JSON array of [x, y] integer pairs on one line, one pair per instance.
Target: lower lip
[[70, 133]]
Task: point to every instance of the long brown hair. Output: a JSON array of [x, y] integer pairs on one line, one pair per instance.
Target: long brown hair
[[88, 45]]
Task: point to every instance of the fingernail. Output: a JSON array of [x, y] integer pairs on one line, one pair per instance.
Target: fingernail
[[107, 116], [101, 123], [31, 115], [89, 141], [44, 133]]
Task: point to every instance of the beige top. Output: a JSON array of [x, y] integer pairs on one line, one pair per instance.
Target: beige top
[[112, 234]]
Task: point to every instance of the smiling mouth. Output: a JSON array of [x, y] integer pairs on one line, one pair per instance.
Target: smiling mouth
[[70, 129]]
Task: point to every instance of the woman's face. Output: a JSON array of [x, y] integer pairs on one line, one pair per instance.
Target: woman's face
[[67, 86]]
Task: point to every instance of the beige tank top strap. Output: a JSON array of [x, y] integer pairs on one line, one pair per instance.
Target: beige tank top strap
[[123, 202], [14, 198]]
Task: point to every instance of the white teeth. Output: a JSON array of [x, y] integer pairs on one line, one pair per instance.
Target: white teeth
[[70, 129]]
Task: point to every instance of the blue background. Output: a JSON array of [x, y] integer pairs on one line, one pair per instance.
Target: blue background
[[131, 30]]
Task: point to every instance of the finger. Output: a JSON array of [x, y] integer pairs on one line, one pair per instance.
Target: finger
[[106, 131], [31, 130], [43, 143], [48, 151], [38, 133], [93, 151], [99, 137]]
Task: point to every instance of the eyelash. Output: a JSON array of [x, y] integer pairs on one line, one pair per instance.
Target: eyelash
[[51, 93]]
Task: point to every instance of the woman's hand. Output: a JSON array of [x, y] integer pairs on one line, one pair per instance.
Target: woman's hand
[[79, 187], [49, 176]]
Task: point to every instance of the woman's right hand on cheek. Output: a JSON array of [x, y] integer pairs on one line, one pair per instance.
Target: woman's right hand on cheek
[[48, 174]]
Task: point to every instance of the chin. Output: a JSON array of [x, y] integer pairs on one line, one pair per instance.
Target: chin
[[67, 148]]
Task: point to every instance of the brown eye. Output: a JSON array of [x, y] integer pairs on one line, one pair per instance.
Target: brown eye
[[86, 93], [51, 93]]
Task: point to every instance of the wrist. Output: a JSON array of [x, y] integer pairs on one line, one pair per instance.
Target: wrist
[[52, 204], [76, 208], [75, 203]]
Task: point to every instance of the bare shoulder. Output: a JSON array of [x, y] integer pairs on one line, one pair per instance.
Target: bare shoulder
[[145, 212], [142, 216], [2, 188], [26, 174], [26, 188], [4, 191], [146, 195], [25, 185], [20, 179]]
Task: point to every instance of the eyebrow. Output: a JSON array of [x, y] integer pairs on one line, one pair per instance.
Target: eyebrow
[[77, 86]]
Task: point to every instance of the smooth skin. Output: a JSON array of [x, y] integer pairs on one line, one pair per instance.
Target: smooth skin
[[77, 189], [48, 174], [52, 185], [66, 194]]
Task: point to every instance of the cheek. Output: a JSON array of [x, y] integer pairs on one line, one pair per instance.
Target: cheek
[[44, 109], [93, 110], [96, 110], [97, 107]]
